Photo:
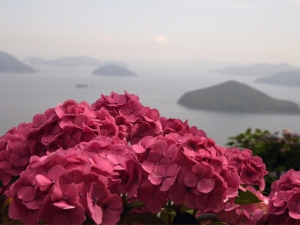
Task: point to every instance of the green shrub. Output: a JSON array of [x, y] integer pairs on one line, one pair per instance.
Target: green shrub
[[279, 152]]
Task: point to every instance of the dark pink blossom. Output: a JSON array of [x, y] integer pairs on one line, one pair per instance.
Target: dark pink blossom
[[180, 193], [202, 177], [294, 205], [131, 110], [144, 144], [174, 126], [67, 109], [60, 214], [164, 175], [96, 196], [132, 178], [213, 200], [251, 169], [112, 209], [18, 211], [139, 131], [152, 197]]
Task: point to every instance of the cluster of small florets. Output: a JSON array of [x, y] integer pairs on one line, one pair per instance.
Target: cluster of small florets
[[284, 206], [78, 161], [249, 214]]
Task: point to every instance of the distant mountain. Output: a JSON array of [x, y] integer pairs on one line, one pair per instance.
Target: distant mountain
[[36, 60], [288, 78], [70, 61], [113, 70], [10, 64], [263, 69], [233, 96]]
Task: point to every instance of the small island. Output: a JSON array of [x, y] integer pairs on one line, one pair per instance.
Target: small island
[[10, 64], [113, 70], [260, 69], [233, 96], [289, 78]]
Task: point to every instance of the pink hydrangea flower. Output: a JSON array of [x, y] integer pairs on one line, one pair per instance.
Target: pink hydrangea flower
[[152, 196], [76, 161]]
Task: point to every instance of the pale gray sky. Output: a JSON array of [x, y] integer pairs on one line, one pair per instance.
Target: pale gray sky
[[242, 31]]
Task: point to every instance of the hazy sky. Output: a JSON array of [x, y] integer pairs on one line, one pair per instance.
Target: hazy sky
[[243, 31]]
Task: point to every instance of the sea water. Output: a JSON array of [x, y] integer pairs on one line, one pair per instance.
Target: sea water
[[24, 95]]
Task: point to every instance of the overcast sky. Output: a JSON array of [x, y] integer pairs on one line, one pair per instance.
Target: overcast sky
[[242, 31]]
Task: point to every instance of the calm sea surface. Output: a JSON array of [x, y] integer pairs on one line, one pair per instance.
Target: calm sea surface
[[24, 95]]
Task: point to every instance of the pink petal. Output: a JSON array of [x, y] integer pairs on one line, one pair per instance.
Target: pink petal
[[26, 193], [133, 104], [206, 185], [138, 149], [161, 169], [96, 212], [191, 180], [177, 194], [154, 205], [172, 149], [202, 201], [115, 203], [167, 183], [172, 170], [124, 111], [258, 214], [294, 214], [160, 146], [56, 194], [110, 217], [148, 166], [154, 178], [71, 191], [63, 205], [98, 191], [38, 120], [216, 201], [42, 180], [147, 142], [189, 200], [55, 172], [208, 171]]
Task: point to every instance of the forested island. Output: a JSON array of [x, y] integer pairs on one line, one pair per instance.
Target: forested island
[[113, 70], [233, 96], [10, 64], [287, 78]]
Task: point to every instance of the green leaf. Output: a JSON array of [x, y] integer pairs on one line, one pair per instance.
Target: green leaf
[[167, 216], [245, 198], [141, 219], [248, 131], [136, 204], [207, 216]]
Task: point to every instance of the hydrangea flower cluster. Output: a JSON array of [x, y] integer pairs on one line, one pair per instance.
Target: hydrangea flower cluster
[[249, 214], [284, 207], [79, 162]]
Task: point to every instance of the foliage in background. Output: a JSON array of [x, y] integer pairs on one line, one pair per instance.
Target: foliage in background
[[279, 152]]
